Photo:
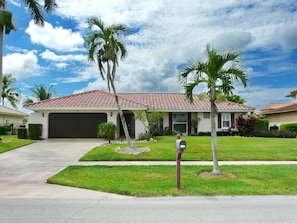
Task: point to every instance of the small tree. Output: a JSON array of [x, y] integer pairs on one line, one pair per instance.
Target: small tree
[[107, 130], [150, 120]]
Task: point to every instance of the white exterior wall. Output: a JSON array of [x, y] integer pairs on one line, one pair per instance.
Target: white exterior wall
[[40, 118], [9, 119], [166, 121], [43, 118]]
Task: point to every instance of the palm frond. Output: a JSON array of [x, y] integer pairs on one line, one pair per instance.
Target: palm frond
[[36, 11], [50, 5]]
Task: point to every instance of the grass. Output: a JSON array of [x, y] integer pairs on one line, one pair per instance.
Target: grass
[[10, 142], [199, 149], [148, 181]]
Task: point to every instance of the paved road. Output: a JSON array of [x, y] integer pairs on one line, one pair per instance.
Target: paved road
[[262, 209]]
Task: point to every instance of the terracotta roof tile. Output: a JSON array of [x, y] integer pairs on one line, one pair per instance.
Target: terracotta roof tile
[[160, 101], [86, 100], [276, 108], [9, 111]]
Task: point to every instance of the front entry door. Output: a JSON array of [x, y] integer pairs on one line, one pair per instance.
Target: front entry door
[[129, 117]]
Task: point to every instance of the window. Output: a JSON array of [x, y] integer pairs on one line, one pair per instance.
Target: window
[[226, 120], [180, 122], [206, 115]]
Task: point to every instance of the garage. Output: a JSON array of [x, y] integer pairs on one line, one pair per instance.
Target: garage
[[75, 125]]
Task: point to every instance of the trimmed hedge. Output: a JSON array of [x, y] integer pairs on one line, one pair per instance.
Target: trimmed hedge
[[22, 133], [5, 129], [35, 131], [262, 124], [289, 126], [275, 134]]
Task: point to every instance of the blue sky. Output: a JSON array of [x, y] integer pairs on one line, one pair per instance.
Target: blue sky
[[163, 35]]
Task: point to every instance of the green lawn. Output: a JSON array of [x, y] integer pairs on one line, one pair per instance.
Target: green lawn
[[150, 181], [199, 148], [10, 142]]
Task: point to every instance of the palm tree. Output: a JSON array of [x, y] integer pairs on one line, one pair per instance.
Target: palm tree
[[40, 93], [219, 71], [7, 22], [9, 92], [106, 47]]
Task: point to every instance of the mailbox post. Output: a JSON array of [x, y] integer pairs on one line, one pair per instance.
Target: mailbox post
[[180, 146]]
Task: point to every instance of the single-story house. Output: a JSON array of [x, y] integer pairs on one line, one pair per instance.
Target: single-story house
[[9, 116], [78, 115], [281, 112]]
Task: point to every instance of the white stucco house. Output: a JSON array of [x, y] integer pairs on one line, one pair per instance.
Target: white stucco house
[[78, 115], [10, 116], [281, 112]]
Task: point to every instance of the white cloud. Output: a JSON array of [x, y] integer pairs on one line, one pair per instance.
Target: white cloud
[[263, 95], [287, 36], [85, 74], [56, 38], [232, 40], [166, 33], [21, 65], [49, 55]]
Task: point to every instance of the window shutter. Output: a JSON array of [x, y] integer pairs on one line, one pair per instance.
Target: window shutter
[[189, 125], [219, 120], [232, 121], [170, 120]]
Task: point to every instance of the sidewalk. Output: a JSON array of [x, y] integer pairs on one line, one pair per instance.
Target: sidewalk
[[185, 163]]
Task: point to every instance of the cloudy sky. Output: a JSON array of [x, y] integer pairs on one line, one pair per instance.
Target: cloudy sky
[[163, 35]]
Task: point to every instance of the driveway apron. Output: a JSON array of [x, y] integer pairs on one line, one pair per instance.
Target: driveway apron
[[24, 171]]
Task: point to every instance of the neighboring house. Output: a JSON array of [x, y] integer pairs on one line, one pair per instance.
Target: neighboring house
[[280, 113], [9, 116], [77, 115]]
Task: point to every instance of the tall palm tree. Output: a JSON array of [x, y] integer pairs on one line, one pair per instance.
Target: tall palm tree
[[9, 92], [40, 93], [105, 46], [219, 71], [7, 22]]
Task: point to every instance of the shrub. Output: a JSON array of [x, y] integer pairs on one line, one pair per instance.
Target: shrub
[[143, 136], [167, 131], [4, 129], [35, 131], [204, 133], [22, 133], [107, 130], [289, 126], [262, 124], [246, 125], [275, 134]]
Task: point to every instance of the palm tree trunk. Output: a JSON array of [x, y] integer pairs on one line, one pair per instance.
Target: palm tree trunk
[[121, 113], [213, 112]]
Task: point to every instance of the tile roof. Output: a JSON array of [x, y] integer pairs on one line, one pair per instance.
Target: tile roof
[[9, 111], [86, 100], [292, 94], [178, 102], [160, 101], [276, 108]]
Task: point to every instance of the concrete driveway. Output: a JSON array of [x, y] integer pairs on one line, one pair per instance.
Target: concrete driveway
[[24, 171]]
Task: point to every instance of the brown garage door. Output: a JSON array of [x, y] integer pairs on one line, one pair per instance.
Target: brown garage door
[[75, 125]]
